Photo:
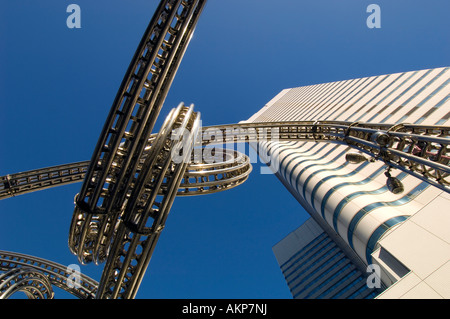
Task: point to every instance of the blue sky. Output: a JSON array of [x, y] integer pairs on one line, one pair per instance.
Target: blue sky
[[57, 86]]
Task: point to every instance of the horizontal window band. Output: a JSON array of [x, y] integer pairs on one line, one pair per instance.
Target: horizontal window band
[[325, 179], [350, 197], [376, 235], [363, 95], [336, 187], [401, 201], [316, 240], [299, 174], [296, 157], [373, 98], [321, 253], [390, 93], [342, 259], [420, 90]]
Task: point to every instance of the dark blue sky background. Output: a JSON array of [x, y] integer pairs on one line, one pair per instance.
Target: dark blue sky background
[[57, 86]]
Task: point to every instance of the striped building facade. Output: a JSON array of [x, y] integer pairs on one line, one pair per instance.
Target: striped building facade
[[406, 234], [315, 267]]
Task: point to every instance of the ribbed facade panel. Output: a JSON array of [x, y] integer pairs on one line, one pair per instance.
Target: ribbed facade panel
[[315, 267]]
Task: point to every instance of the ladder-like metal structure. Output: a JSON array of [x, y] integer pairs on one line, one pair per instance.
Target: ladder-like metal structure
[[36, 276], [419, 150], [134, 175]]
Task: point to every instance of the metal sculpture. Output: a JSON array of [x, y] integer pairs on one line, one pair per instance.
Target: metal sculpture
[[37, 276], [133, 177]]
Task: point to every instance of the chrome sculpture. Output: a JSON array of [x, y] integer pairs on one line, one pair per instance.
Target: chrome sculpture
[[134, 175]]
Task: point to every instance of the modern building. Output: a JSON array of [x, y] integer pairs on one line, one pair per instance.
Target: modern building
[[316, 268], [406, 234]]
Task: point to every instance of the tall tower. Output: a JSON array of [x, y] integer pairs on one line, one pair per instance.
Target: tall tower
[[404, 234]]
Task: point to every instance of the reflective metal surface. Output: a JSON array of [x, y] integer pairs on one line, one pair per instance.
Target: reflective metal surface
[[134, 175], [37, 274]]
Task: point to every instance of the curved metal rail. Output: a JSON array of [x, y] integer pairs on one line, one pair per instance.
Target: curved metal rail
[[115, 166], [36, 275], [33, 283], [128, 127], [214, 174], [40, 179], [420, 150]]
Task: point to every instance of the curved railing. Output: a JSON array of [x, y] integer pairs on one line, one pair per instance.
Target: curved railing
[[36, 276]]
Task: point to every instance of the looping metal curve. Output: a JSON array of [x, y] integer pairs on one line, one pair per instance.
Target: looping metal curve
[[38, 274], [27, 280], [220, 170], [126, 236]]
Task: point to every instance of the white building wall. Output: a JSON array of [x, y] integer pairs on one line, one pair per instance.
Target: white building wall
[[352, 198]]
